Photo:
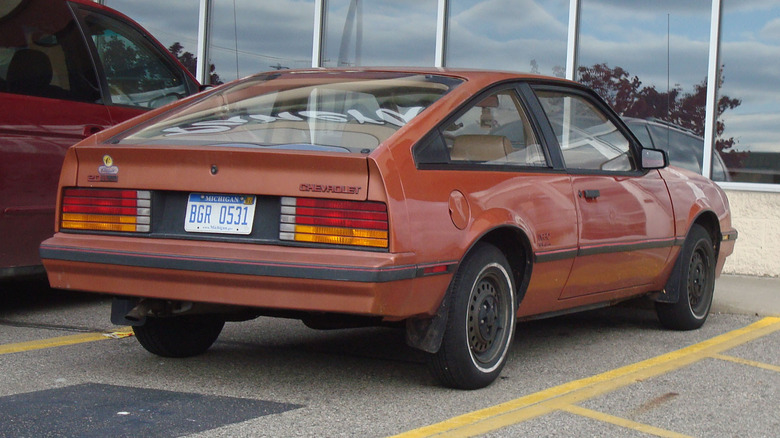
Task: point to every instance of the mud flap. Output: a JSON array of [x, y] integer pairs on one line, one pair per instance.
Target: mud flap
[[671, 292], [426, 334]]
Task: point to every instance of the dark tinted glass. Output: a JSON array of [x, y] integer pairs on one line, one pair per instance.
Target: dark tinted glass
[[42, 54]]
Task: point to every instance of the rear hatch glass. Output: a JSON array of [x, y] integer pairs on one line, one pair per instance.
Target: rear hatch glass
[[311, 110]]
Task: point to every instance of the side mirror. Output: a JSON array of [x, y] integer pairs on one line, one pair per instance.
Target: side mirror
[[654, 159]]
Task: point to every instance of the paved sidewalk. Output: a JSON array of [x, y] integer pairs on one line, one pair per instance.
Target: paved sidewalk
[[747, 295]]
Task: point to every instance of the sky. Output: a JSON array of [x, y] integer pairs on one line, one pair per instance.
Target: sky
[[637, 35]]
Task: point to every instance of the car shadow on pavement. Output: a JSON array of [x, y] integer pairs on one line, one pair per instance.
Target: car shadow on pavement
[[34, 293]]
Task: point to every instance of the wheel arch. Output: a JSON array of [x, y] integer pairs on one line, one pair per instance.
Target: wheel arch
[[514, 243], [708, 220], [427, 334]]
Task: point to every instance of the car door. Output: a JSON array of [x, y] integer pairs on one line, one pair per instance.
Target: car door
[[625, 217], [488, 167], [53, 96], [50, 100]]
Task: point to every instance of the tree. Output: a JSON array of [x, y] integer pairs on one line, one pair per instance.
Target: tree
[[629, 98], [190, 62]]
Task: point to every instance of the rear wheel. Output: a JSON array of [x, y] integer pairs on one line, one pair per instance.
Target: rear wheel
[[179, 336], [480, 323], [697, 283]]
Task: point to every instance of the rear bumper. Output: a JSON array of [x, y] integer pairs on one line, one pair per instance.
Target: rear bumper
[[393, 286]]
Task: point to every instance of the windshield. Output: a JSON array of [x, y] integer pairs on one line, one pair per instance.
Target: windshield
[[331, 111]]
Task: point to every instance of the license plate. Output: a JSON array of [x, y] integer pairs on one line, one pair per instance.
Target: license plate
[[216, 213]]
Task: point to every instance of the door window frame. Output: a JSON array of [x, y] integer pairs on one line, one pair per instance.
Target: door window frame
[[634, 146], [79, 11]]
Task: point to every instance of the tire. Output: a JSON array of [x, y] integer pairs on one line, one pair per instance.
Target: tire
[[179, 336], [697, 283], [481, 321]]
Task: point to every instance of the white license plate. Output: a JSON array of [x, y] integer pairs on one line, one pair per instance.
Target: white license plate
[[217, 213]]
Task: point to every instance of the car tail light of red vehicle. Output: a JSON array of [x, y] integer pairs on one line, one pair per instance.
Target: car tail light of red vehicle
[[334, 222], [106, 210]]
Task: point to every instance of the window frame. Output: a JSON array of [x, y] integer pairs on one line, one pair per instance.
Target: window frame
[[635, 147], [80, 10], [430, 152], [76, 53]]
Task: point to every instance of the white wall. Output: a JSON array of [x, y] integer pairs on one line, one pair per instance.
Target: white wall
[[756, 216]]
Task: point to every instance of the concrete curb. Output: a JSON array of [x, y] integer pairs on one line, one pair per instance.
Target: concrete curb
[[747, 295]]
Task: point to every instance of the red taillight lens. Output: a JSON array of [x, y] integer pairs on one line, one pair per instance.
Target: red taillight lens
[[106, 210], [334, 222]]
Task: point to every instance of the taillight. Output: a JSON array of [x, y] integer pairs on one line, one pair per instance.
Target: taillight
[[335, 222], [106, 210]]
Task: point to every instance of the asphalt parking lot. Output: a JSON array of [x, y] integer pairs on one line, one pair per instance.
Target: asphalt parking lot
[[612, 372]]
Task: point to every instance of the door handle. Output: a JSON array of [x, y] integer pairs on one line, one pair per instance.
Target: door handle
[[589, 194]]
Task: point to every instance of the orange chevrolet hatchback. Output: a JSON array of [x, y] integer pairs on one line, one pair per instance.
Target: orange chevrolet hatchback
[[452, 203], [67, 70]]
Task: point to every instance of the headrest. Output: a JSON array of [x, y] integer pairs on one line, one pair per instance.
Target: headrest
[[29, 70], [480, 147]]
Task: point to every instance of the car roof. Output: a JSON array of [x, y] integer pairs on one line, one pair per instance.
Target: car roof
[[662, 124], [470, 75]]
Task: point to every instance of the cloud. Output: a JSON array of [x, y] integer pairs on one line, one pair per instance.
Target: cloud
[[268, 32], [755, 132], [167, 21], [394, 33], [508, 19], [504, 34], [771, 30]]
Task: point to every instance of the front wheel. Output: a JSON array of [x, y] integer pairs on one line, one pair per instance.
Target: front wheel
[[481, 321], [697, 283], [179, 336]]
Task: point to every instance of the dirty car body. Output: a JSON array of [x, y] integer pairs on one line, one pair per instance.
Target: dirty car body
[[453, 203]]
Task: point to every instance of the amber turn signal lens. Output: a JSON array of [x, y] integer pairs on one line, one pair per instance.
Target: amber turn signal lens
[[334, 222], [106, 210]]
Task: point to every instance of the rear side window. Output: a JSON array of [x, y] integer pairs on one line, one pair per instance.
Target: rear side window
[[43, 54], [137, 72], [495, 131]]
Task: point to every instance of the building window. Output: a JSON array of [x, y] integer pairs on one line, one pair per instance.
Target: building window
[[528, 36], [649, 62], [260, 36], [747, 134], [375, 32]]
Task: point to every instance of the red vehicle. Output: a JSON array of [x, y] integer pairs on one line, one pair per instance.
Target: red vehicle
[[452, 202], [67, 70]]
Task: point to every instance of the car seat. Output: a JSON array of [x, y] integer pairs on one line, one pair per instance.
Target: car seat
[[30, 73]]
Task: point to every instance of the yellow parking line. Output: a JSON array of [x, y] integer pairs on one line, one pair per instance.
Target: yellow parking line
[[64, 340], [622, 422], [752, 363], [559, 397]]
